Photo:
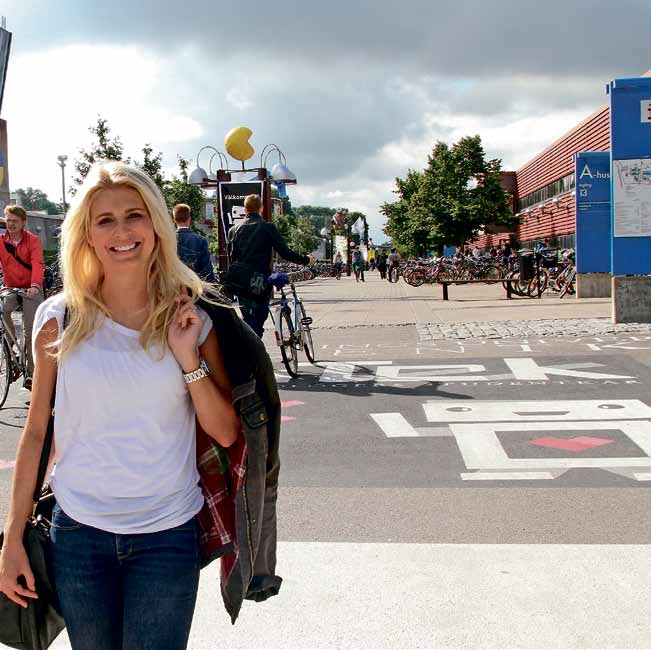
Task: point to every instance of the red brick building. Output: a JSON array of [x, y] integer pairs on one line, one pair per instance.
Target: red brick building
[[543, 188]]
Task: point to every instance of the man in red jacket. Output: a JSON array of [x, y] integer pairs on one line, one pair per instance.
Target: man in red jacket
[[21, 256]]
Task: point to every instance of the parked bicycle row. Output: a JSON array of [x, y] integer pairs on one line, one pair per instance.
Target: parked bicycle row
[[549, 269]]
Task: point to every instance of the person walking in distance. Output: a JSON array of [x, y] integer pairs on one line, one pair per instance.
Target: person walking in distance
[[358, 264], [21, 256], [191, 247], [394, 264], [382, 265], [339, 265], [250, 246], [506, 252]]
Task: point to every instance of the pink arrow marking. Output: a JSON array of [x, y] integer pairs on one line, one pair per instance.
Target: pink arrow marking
[[7, 464], [287, 418]]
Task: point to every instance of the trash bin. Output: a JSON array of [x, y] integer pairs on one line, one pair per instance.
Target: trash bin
[[526, 264]]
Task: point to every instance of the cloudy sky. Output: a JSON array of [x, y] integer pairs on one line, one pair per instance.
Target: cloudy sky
[[354, 92]]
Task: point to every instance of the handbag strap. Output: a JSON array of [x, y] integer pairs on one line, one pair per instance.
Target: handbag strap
[[49, 437]]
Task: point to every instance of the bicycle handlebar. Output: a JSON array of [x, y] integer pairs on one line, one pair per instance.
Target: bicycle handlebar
[[5, 292]]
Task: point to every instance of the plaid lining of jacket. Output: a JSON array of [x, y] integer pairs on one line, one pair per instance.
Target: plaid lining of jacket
[[238, 520]]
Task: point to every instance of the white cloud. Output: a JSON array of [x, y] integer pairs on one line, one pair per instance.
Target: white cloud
[[238, 98], [52, 97]]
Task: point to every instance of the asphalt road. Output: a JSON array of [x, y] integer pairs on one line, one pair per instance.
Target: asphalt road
[[451, 494]]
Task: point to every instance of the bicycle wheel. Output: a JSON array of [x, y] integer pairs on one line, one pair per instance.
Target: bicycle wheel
[[491, 273], [415, 277], [6, 371], [306, 333], [568, 287], [288, 350]]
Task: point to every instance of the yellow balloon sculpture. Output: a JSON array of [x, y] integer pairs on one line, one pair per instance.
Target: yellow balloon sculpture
[[237, 143]]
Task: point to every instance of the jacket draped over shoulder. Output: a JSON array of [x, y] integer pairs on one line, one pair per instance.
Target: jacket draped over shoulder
[[240, 483]]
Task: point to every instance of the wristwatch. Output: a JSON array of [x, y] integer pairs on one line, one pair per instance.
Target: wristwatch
[[202, 371]]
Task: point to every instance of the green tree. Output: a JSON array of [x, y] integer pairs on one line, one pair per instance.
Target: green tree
[[408, 232], [450, 201], [34, 199], [179, 190], [102, 148], [303, 237], [153, 166], [285, 223]]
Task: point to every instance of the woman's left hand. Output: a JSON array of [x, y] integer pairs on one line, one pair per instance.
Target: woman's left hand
[[183, 333]]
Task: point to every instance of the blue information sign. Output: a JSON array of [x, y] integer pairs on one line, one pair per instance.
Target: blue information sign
[[592, 174], [630, 141]]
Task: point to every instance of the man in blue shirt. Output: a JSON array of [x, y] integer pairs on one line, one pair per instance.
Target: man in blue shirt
[[191, 247]]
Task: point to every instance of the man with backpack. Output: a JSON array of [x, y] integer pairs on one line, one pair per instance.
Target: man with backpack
[[21, 256], [250, 246]]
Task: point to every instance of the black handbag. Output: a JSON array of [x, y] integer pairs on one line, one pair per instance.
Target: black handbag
[[36, 627]]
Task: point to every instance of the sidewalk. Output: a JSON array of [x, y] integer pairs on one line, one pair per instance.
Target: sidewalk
[[346, 303], [402, 596]]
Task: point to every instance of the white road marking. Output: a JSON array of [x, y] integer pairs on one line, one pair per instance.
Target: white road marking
[[394, 425], [528, 369], [482, 449], [509, 476], [524, 411]]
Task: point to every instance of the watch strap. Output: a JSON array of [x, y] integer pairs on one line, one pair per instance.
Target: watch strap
[[201, 372]]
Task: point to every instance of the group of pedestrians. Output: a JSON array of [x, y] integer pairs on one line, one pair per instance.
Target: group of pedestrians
[[388, 265]]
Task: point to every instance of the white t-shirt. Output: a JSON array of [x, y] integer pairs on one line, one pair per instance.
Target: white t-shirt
[[124, 431]]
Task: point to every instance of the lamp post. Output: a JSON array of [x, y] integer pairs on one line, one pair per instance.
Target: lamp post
[[62, 163], [237, 146], [325, 235]]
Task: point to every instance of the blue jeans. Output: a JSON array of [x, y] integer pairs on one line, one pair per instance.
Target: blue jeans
[[254, 314], [125, 592]]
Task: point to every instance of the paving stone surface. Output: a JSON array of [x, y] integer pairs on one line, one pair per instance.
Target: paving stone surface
[[524, 329]]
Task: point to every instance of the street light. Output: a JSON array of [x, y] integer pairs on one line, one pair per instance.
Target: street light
[[62, 163], [280, 173], [199, 175]]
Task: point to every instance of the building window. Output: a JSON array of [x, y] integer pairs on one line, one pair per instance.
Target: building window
[[561, 186], [557, 241]]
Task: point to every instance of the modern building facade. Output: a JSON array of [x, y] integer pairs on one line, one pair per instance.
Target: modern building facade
[[543, 188]]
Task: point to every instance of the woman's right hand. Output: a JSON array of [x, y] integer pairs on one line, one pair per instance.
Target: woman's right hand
[[13, 564]]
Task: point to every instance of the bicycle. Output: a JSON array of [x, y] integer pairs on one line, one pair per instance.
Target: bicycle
[[13, 364], [291, 324]]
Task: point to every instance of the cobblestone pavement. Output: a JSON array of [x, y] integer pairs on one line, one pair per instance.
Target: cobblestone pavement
[[524, 329]]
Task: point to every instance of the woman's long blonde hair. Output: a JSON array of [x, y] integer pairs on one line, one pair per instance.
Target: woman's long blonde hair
[[83, 272]]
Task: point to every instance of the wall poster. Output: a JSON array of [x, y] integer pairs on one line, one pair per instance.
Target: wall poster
[[632, 197]]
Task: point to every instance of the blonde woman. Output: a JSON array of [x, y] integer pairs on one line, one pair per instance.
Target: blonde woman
[[135, 363]]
